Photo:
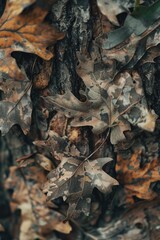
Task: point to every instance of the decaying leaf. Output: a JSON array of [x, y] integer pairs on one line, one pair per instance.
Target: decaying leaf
[[74, 180], [63, 139], [37, 220], [129, 48], [18, 145], [44, 162], [25, 32], [108, 103], [135, 178], [16, 105], [42, 79], [134, 45], [138, 222], [112, 99], [150, 55], [136, 24], [112, 8]]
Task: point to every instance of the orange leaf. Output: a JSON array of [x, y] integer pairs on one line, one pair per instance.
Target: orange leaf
[[24, 31], [137, 179]]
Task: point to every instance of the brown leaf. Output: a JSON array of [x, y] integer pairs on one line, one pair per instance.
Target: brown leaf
[[137, 179], [42, 79], [36, 217], [44, 162], [117, 132], [74, 180], [25, 32], [108, 103]]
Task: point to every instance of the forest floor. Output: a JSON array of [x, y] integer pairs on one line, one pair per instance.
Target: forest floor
[[79, 120]]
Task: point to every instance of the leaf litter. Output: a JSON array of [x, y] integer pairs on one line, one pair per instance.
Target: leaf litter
[[74, 180], [65, 177]]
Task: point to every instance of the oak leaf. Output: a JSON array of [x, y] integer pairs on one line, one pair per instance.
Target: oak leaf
[[24, 31], [74, 180], [108, 103]]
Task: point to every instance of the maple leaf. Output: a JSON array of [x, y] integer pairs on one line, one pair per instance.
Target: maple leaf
[[16, 105], [108, 103], [74, 180], [24, 31]]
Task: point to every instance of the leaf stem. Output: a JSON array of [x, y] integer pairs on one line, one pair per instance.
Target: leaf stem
[[87, 158]]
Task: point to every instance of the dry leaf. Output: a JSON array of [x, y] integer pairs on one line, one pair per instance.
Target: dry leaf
[[125, 53], [108, 103], [112, 8], [42, 79], [16, 105], [150, 55], [36, 218], [137, 179], [25, 32], [44, 162], [138, 222], [74, 180]]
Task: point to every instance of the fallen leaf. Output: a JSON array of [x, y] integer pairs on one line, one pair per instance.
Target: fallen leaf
[[112, 8], [150, 55], [136, 178], [25, 32], [42, 79], [16, 105], [131, 223], [135, 23], [74, 135], [44, 162], [74, 180], [108, 103], [36, 217]]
